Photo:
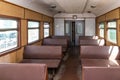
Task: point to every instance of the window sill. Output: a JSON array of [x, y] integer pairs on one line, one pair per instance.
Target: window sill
[[9, 51]]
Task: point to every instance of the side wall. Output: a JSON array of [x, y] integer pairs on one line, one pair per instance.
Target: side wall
[[23, 14], [113, 15]]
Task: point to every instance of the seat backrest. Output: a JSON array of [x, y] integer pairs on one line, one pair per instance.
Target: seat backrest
[[12, 71], [101, 73], [99, 52], [94, 42], [42, 52], [62, 37], [56, 42], [88, 37]]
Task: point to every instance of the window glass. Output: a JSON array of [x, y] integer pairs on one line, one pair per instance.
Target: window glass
[[101, 32], [8, 34], [46, 32], [33, 31], [46, 29], [7, 24], [33, 35], [111, 33], [32, 24], [112, 24], [101, 27]]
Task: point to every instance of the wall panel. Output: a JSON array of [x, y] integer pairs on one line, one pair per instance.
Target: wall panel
[[19, 54], [9, 58], [118, 33], [101, 18], [11, 10], [29, 14], [114, 14], [23, 32]]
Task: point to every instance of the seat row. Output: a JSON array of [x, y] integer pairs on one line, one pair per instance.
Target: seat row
[[37, 61], [99, 62]]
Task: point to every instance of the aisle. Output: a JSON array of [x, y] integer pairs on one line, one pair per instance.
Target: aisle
[[71, 66]]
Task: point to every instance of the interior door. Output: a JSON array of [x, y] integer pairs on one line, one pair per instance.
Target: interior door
[[79, 30], [74, 29]]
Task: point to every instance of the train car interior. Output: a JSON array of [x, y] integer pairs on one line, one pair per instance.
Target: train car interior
[[59, 40]]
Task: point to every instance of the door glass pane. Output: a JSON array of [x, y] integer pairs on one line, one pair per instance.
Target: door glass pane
[[8, 40], [67, 28], [79, 27]]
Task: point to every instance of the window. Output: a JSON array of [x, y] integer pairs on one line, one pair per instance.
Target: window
[[111, 32], [101, 28], [46, 29], [33, 31], [8, 34]]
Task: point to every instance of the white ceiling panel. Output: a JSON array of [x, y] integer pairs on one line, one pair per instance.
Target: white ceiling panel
[[69, 6], [72, 6]]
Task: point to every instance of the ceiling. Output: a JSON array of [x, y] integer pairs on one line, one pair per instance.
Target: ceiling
[[69, 6]]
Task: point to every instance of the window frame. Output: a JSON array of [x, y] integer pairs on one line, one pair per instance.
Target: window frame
[[112, 28], [102, 29], [46, 28], [32, 29], [12, 29]]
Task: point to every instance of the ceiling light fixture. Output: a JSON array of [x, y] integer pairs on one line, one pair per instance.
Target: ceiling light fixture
[[59, 11], [93, 6], [74, 16], [53, 6], [88, 11]]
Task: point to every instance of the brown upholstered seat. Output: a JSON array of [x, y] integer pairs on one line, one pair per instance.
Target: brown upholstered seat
[[49, 55], [13, 71], [99, 69], [42, 52], [63, 37], [88, 37], [56, 42], [93, 42], [99, 52], [51, 63]]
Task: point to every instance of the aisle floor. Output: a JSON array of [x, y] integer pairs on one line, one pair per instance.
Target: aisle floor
[[70, 68]]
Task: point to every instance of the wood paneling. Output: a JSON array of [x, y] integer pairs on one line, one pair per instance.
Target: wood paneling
[[32, 15], [11, 10], [23, 32], [46, 18], [101, 18], [9, 58], [42, 30], [19, 54], [118, 33], [114, 14]]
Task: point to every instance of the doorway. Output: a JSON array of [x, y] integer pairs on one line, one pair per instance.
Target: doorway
[[74, 29]]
